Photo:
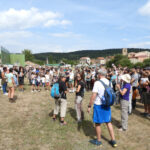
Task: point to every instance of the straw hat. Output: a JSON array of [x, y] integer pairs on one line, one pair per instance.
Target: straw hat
[[126, 78]]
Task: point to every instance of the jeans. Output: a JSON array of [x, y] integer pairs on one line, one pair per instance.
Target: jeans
[[4, 88]]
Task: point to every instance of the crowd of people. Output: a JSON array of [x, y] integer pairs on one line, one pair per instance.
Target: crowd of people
[[128, 84]]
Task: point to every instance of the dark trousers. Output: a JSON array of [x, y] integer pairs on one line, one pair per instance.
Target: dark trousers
[[133, 103]]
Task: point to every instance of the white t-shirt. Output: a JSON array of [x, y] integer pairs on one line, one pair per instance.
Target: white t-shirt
[[47, 78], [71, 76], [99, 89], [143, 80], [43, 79]]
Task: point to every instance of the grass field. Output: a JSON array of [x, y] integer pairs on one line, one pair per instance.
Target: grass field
[[27, 125]]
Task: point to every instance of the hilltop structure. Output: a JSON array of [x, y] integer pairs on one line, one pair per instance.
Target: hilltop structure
[[7, 58], [85, 61], [136, 57]]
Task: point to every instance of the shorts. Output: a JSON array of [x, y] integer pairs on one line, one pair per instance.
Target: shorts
[[101, 114], [146, 98], [10, 85], [71, 81]]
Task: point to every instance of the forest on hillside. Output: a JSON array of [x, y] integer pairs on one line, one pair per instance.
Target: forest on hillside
[[83, 53]]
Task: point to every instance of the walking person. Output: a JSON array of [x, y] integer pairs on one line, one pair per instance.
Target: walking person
[[124, 92], [11, 84], [79, 98], [101, 113], [61, 103]]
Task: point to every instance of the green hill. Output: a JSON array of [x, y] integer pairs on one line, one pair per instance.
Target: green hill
[[83, 53]]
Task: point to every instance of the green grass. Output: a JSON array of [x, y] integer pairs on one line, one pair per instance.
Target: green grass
[[27, 125]]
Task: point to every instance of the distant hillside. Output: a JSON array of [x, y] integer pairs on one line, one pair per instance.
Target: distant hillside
[[83, 53]]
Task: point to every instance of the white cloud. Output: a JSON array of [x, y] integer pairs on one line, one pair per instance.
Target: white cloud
[[65, 35], [56, 22], [145, 10], [23, 19], [15, 34], [140, 45]]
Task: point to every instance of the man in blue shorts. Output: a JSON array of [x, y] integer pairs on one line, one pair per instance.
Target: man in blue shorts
[[101, 114]]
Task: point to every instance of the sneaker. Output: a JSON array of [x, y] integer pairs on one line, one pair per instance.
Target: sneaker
[[121, 129], [63, 124], [148, 116], [144, 114], [6, 94], [96, 142], [113, 143]]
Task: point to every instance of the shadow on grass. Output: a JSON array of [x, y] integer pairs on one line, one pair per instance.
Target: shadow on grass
[[15, 97], [135, 111], [115, 122], [50, 114], [86, 125]]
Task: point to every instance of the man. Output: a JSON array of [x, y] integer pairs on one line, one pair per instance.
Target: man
[[101, 114], [61, 103]]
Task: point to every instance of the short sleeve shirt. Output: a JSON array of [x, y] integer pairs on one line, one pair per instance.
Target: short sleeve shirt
[[99, 89], [128, 87], [9, 77]]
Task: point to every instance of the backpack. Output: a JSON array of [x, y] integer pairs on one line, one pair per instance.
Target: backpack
[[55, 91], [109, 95]]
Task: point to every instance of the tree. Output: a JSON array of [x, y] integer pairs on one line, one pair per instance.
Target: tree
[[146, 63], [120, 60], [28, 55]]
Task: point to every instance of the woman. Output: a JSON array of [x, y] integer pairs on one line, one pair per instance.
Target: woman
[[88, 80], [21, 78], [10, 84], [124, 92], [79, 98]]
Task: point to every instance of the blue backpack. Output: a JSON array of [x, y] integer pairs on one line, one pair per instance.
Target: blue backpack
[[55, 91], [109, 95]]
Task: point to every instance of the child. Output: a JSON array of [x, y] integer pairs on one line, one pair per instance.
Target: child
[[47, 77], [38, 79], [33, 81], [43, 80]]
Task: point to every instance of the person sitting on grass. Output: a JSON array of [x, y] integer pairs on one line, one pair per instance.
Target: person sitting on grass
[[101, 114]]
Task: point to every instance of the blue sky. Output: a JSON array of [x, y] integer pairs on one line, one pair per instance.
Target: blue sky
[[70, 25]]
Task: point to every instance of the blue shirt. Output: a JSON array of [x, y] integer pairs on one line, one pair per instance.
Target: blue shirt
[[126, 95]]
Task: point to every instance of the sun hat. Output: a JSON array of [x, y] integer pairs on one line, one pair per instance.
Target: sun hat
[[126, 78]]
